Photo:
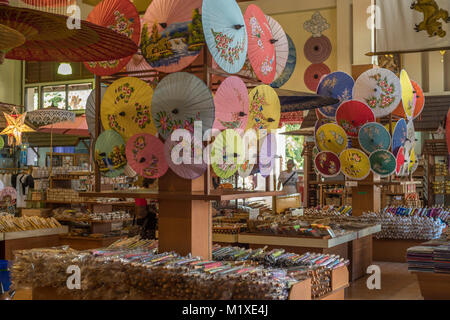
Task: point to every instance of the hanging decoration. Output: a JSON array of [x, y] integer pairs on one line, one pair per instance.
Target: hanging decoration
[[281, 45], [355, 164], [374, 136], [327, 164], [331, 137], [110, 154], [46, 116], [338, 85], [265, 108], [226, 153], [267, 153], [15, 126], [352, 115], [289, 68], [314, 73], [383, 163]]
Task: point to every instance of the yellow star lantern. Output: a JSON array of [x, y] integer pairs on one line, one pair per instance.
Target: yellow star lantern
[[15, 127]]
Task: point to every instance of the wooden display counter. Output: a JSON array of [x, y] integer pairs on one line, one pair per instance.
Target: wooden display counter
[[86, 243], [392, 250], [30, 239], [434, 286]]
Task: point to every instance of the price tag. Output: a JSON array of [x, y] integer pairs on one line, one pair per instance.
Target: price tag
[[253, 215], [351, 183], [297, 212]]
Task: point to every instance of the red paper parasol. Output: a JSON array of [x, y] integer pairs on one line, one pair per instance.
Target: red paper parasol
[[145, 155], [232, 102], [122, 17], [49, 3], [49, 39], [317, 49], [328, 164], [261, 48], [314, 73], [78, 127], [352, 115], [400, 159], [172, 34]]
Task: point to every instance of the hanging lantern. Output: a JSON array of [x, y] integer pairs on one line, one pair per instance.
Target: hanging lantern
[[15, 127]]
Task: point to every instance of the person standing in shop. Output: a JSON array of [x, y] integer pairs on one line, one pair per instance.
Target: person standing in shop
[[146, 214], [289, 179]]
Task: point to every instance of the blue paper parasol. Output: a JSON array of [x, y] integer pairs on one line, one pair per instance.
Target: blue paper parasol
[[225, 33], [290, 66], [373, 136], [399, 136], [338, 85]]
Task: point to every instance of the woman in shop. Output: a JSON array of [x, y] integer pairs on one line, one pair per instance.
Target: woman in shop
[[146, 214], [289, 179]]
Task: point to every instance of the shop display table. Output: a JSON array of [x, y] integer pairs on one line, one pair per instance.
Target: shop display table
[[30, 239], [434, 286], [393, 250], [86, 243]]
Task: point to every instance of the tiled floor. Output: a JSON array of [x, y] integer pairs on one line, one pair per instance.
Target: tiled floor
[[396, 284]]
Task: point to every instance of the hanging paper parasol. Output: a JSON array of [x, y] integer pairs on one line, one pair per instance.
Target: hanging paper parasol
[[318, 49], [126, 107], [383, 163], [145, 155], [400, 160], [231, 104], [338, 85], [227, 153], [250, 155], [180, 156], [225, 33], [10, 38], [399, 136], [410, 137], [265, 108], [352, 115], [122, 17], [180, 99], [90, 111], [46, 116], [172, 35], [138, 63], [110, 154], [281, 45], [420, 103], [129, 172], [380, 89], [261, 49], [328, 164], [267, 155], [331, 137], [408, 94], [49, 39], [8, 192], [414, 162], [355, 164], [314, 73], [321, 122], [289, 67], [78, 127], [373, 136]]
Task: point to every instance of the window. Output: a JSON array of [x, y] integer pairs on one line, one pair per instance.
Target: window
[[54, 96], [31, 99], [78, 95]]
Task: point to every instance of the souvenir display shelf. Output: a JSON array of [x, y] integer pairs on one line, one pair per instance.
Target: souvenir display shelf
[[432, 149]]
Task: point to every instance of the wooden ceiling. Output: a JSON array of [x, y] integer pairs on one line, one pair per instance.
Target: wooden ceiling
[[433, 114]]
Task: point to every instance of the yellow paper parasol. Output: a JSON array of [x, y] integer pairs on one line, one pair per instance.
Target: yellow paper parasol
[[265, 108], [227, 153], [126, 107], [408, 94], [331, 137], [355, 164]]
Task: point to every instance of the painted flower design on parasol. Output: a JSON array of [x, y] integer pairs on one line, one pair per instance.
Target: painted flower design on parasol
[[257, 31], [386, 97], [143, 115], [229, 54], [165, 122]]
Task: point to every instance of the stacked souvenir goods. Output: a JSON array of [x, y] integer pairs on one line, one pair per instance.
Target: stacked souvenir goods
[[420, 258], [140, 273], [312, 265], [9, 223], [436, 212], [229, 228], [440, 169], [328, 211], [441, 258], [64, 195]]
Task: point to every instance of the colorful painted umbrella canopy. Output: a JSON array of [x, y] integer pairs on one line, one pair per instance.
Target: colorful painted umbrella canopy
[[49, 39], [400, 160], [410, 137], [42, 117], [250, 142], [338, 85], [318, 49], [138, 63], [172, 34], [408, 95], [413, 162], [383, 163], [145, 155], [78, 127], [281, 45], [289, 67], [355, 164], [10, 38], [321, 122], [226, 153], [231, 104], [380, 89], [374, 136], [261, 48], [328, 164], [352, 115], [225, 33], [399, 136], [331, 137], [314, 73], [110, 153], [122, 17], [185, 158], [180, 99], [420, 102], [267, 155], [126, 107], [265, 108], [90, 111]]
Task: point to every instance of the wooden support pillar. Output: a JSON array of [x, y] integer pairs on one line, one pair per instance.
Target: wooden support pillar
[[98, 125], [307, 171], [184, 225]]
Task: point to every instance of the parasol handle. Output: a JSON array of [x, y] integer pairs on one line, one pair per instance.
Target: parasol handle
[[238, 26], [142, 160], [122, 114], [163, 25], [242, 114], [271, 120], [272, 41], [175, 111]]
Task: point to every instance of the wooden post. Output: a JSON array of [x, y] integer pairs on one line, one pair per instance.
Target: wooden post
[[98, 97]]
